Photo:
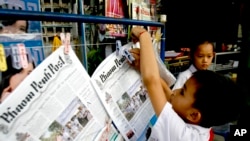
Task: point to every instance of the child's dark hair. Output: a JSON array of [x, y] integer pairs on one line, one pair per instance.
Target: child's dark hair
[[196, 43], [218, 98], [11, 22]]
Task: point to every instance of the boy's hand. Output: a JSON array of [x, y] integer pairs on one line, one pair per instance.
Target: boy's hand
[[136, 54], [136, 32]]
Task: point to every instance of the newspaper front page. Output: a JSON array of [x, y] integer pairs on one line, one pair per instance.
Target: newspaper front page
[[124, 96], [56, 102]]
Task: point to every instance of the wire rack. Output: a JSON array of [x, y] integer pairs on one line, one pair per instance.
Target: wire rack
[[66, 17]]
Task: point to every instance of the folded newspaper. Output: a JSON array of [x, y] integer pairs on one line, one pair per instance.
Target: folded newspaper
[[59, 101], [165, 74]]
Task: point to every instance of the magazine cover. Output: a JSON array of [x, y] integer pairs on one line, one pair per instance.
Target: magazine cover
[[31, 5], [28, 33], [115, 9], [32, 42], [144, 11]]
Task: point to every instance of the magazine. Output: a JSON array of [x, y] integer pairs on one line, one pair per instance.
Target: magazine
[[115, 9], [32, 42], [30, 5], [59, 101], [27, 32], [144, 11]]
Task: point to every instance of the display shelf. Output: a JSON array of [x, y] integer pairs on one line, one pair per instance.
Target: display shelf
[[66, 17], [177, 64], [227, 52], [226, 61]]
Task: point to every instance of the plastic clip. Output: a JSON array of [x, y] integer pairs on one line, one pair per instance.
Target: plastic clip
[[118, 47], [67, 47], [16, 61], [3, 63], [65, 42], [123, 51], [128, 55], [23, 55]]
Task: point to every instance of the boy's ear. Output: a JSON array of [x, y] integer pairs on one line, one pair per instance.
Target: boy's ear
[[194, 116]]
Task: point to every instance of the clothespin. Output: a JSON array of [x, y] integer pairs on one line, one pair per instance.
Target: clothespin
[[23, 55], [118, 47], [3, 64], [65, 42], [123, 51], [16, 60], [128, 55], [62, 36], [30, 59]]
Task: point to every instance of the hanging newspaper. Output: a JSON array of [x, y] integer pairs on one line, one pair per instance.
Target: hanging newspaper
[[60, 101], [55, 102]]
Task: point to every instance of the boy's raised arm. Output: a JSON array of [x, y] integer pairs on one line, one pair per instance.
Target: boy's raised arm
[[149, 70]]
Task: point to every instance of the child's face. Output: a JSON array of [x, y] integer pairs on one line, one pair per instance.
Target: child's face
[[15, 80], [183, 99], [203, 56], [18, 27]]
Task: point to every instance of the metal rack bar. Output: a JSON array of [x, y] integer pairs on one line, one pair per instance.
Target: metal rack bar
[[6, 14], [84, 49]]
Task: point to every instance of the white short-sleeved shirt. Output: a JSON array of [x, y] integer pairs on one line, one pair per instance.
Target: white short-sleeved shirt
[[170, 127], [183, 77]]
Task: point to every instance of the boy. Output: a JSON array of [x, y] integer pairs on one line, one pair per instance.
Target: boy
[[187, 114]]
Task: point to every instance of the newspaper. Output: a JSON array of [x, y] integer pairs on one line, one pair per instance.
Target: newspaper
[[55, 102], [124, 96], [59, 101]]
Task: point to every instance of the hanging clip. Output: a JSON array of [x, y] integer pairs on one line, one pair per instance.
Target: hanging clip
[[16, 61], [128, 55], [123, 51], [62, 36], [118, 47], [3, 63], [30, 58], [23, 55], [65, 42]]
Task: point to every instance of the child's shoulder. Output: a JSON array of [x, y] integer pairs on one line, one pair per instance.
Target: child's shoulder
[[187, 73]]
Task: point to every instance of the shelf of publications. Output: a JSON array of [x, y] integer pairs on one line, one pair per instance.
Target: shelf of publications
[[5, 14], [230, 65]]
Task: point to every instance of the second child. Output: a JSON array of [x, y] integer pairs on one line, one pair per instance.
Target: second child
[[201, 55]]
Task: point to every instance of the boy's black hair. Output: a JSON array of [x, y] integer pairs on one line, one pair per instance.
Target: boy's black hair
[[218, 98]]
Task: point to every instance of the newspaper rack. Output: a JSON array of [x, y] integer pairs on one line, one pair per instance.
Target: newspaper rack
[[70, 67], [64, 17]]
